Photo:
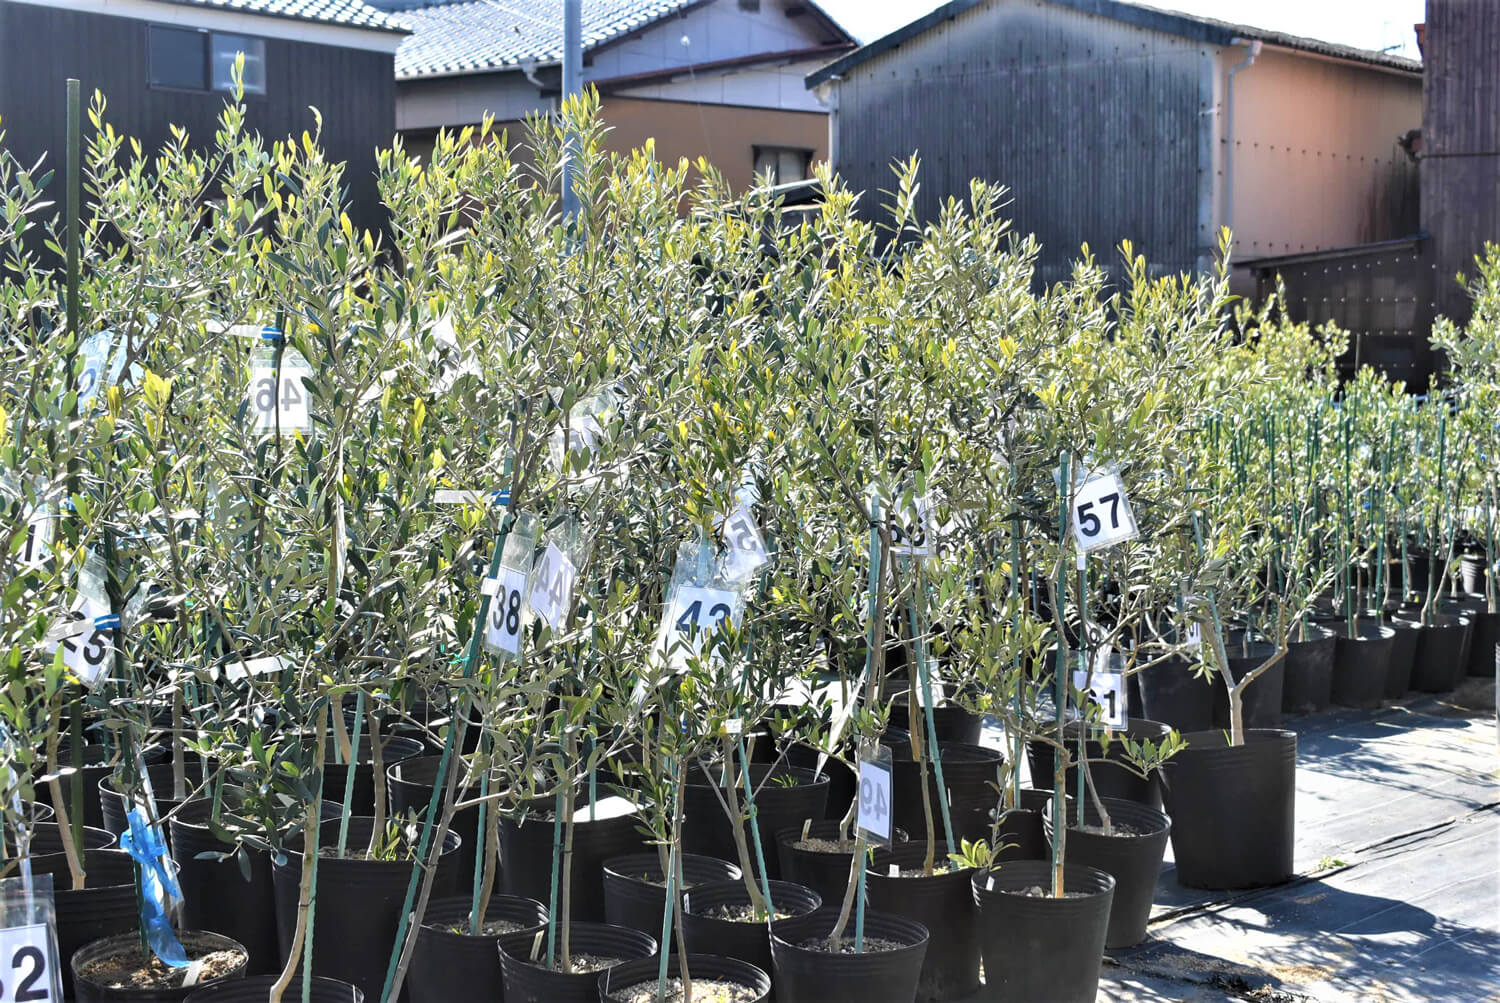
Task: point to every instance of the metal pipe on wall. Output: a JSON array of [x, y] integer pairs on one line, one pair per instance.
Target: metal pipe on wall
[[1250, 57], [572, 83]]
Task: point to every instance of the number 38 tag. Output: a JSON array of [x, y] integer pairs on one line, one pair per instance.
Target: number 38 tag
[[1101, 513], [502, 629]]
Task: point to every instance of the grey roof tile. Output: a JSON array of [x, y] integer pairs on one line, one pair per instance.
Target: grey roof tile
[[350, 13]]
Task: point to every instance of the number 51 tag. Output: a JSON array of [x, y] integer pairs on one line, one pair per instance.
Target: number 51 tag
[[875, 795], [1108, 691], [1101, 513]]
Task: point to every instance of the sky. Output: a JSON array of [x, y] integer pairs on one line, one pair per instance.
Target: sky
[[1368, 24]]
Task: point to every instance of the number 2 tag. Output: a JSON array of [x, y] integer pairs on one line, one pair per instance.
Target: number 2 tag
[[285, 408], [25, 976], [502, 628], [1101, 513], [551, 590], [1108, 691]]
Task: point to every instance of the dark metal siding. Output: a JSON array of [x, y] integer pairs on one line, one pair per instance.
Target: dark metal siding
[[1460, 168], [1093, 125], [354, 89]]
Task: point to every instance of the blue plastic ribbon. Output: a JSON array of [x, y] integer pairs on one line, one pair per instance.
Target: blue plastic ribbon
[[159, 889], [270, 333]]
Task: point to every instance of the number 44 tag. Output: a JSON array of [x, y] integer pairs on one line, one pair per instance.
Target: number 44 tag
[[1101, 513]]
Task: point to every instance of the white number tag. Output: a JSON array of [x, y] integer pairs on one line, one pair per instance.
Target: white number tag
[[695, 616], [288, 409], [1108, 691], [913, 532], [1101, 513], [747, 547], [39, 534], [875, 799], [551, 590], [254, 667], [502, 628], [87, 637], [25, 976], [1194, 637]]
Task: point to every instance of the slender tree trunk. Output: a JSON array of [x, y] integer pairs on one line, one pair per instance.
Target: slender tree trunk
[[309, 862], [72, 852]]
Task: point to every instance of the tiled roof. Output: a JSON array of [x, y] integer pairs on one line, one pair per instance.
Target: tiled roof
[[350, 13], [479, 35]]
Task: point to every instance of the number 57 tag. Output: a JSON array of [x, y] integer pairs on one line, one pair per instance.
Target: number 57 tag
[[1101, 513]]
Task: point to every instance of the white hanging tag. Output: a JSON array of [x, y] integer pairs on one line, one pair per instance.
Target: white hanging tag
[[507, 614], [551, 590], [914, 532], [1107, 689], [875, 804], [747, 548], [1101, 514], [253, 667], [1193, 639], [87, 638]]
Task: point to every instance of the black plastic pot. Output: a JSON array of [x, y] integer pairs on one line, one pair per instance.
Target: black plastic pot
[[257, 989], [748, 941], [842, 780], [943, 904], [409, 786], [336, 775], [1106, 765], [1440, 664], [1261, 701], [1177, 696], [1233, 809], [359, 904], [1403, 656], [700, 967], [953, 724], [236, 896], [707, 830], [635, 891], [1484, 642], [105, 907], [1471, 571], [824, 873], [1361, 663], [1132, 858], [33, 812], [1307, 682], [112, 804], [447, 966], [526, 855], [1040, 947], [528, 981], [197, 943], [47, 854], [96, 766], [969, 772], [812, 975]]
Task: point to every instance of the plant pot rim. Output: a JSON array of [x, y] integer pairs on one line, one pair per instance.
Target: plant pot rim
[[132, 939]]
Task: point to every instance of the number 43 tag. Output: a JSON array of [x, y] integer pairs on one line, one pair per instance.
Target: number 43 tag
[[1101, 513]]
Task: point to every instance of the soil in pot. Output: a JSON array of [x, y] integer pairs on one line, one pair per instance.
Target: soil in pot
[[784, 796], [449, 963], [1307, 683], [359, 902], [719, 919], [1176, 693], [1035, 946], [1131, 852], [409, 786], [606, 831], [1361, 662], [969, 772], [807, 972], [1233, 809], [635, 887], [1112, 778], [715, 980], [1440, 662], [257, 989], [943, 903], [115, 968], [595, 948], [1261, 701], [392, 750], [816, 858]]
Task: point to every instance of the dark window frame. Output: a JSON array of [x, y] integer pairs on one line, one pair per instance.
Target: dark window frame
[[757, 149], [205, 37]]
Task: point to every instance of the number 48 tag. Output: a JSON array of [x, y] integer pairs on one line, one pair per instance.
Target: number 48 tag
[[1101, 513]]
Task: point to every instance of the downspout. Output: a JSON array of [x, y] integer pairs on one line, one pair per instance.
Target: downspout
[[1250, 57], [828, 96]]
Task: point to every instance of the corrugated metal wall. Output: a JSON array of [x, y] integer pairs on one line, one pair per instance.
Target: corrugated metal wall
[[1094, 125], [1460, 169], [354, 89]]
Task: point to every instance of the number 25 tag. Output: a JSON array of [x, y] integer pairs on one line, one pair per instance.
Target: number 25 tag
[[1101, 513]]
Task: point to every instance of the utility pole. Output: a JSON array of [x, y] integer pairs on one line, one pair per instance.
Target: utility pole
[[572, 84]]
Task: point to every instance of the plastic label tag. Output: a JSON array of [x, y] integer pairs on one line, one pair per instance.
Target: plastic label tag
[[875, 795], [551, 590], [502, 628], [914, 532], [1107, 689], [29, 970], [40, 530], [1194, 637], [285, 406], [696, 616], [87, 637], [253, 667], [747, 548], [1101, 514]]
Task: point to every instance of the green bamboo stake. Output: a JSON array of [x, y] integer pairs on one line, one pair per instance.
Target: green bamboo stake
[[476, 921], [924, 678], [666, 922], [859, 838], [1060, 686], [557, 859], [359, 720], [1085, 657]]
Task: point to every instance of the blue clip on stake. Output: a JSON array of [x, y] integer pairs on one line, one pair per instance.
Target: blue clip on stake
[[159, 889]]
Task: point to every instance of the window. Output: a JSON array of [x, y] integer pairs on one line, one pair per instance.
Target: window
[[784, 164], [195, 60]]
